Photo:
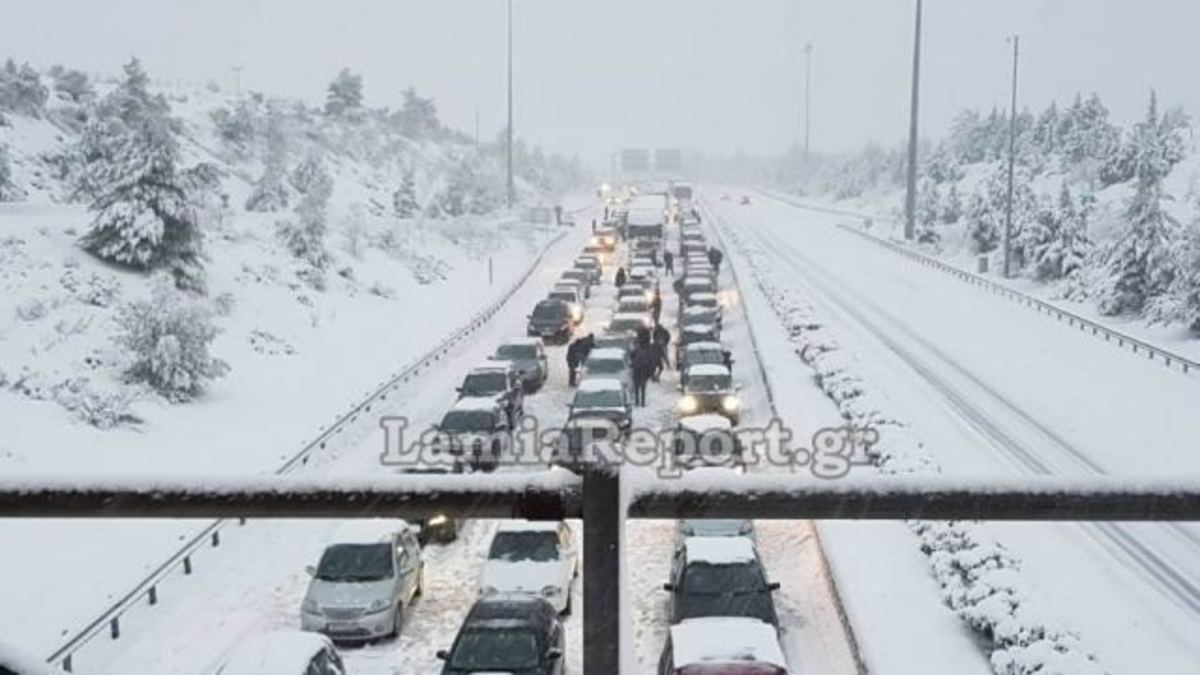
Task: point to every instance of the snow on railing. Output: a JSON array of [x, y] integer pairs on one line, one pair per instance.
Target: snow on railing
[[1168, 358], [210, 535]]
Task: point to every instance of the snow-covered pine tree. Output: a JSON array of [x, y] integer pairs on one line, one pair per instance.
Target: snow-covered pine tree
[[9, 192], [417, 117], [404, 200], [345, 93], [74, 85], [306, 237], [145, 206], [1181, 302], [928, 213], [1139, 260], [270, 193], [1045, 130], [21, 90], [983, 224], [1058, 241], [952, 208]]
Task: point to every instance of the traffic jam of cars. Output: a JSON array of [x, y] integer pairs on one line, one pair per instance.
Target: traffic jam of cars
[[649, 250]]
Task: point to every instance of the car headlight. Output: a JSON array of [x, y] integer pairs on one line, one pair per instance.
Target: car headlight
[[438, 520], [730, 403], [688, 404], [551, 591], [378, 605], [649, 296], [576, 313], [310, 606]]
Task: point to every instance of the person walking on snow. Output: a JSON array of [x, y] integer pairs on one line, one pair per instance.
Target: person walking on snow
[[669, 262], [662, 338], [620, 280], [656, 305], [574, 360], [643, 369], [714, 257]]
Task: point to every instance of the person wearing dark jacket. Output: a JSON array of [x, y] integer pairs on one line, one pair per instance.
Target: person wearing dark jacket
[[575, 359], [656, 306], [586, 343], [662, 338], [620, 280], [714, 257], [643, 370], [669, 262]]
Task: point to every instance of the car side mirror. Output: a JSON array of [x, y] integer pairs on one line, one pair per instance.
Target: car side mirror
[[443, 655], [458, 390], [773, 586], [312, 571], [554, 653], [669, 587]]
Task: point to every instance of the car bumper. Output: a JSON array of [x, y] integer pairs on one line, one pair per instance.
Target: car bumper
[[364, 627]]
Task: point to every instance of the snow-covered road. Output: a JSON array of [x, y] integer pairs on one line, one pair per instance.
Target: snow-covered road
[[992, 388]]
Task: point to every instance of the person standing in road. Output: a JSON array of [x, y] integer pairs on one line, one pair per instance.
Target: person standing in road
[[643, 369], [662, 338], [669, 262], [656, 305], [574, 360], [620, 280], [714, 258]]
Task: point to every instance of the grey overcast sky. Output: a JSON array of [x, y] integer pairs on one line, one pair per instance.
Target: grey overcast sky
[[718, 75]]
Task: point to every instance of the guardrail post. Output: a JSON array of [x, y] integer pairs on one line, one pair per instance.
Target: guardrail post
[[152, 596], [216, 538], [68, 664], [114, 627], [187, 564], [601, 571]]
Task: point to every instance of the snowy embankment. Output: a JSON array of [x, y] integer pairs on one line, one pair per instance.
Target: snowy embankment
[[978, 577]]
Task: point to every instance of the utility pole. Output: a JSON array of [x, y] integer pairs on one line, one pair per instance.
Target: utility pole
[[910, 197], [807, 100], [511, 186], [1012, 153]]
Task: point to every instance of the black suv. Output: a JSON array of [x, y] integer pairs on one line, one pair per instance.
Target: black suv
[[520, 635], [720, 576], [551, 320], [498, 380]]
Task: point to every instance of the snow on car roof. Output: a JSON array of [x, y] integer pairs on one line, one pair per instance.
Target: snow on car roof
[[474, 403], [605, 353], [523, 341], [695, 310], [591, 384], [492, 364], [529, 526], [697, 282], [367, 531], [633, 316], [719, 550], [725, 639], [273, 652], [702, 296], [708, 370], [704, 423], [704, 346]]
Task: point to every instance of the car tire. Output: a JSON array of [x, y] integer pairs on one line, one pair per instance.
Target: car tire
[[397, 621], [420, 589]]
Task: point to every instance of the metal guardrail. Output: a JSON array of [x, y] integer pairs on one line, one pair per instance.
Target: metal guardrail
[[210, 535], [1168, 358]]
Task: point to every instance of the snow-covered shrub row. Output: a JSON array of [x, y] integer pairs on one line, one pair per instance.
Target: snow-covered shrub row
[[980, 579]]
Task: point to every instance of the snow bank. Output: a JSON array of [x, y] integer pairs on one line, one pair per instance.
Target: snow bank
[[979, 579]]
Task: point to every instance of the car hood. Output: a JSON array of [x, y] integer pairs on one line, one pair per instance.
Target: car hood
[[549, 322], [521, 577], [349, 594]]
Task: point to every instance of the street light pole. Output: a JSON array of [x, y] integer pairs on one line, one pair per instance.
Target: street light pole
[[511, 188], [807, 99], [910, 197], [1012, 153]]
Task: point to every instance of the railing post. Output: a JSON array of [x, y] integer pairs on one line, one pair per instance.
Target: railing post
[[601, 570]]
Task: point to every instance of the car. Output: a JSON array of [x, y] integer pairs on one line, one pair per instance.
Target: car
[[700, 270], [697, 315], [528, 357], [631, 323], [535, 558], [439, 528], [715, 527], [583, 277], [591, 265], [475, 432], [366, 576], [696, 353], [569, 295], [695, 285], [634, 290], [518, 635], [644, 273], [605, 238], [612, 363], [633, 305], [706, 440], [497, 380], [581, 442], [709, 300], [282, 652], [582, 290], [720, 576], [604, 398], [552, 321], [722, 645], [710, 388], [609, 340]]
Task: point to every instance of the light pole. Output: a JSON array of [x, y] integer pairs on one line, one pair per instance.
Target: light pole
[[1012, 152], [511, 187], [807, 100], [910, 196]]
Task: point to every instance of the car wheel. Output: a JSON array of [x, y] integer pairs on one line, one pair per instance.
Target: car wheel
[[397, 621]]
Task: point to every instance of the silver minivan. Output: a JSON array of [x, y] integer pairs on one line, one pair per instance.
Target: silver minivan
[[367, 575]]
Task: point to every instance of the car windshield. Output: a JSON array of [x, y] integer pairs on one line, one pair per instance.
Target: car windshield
[[518, 546], [495, 650], [703, 383], [550, 310], [355, 562], [468, 420], [605, 366], [716, 527], [483, 384], [604, 398], [703, 577], [565, 296], [626, 324], [516, 352], [697, 318], [705, 356]]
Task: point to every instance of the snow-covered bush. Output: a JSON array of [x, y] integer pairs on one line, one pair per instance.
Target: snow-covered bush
[[345, 93], [92, 289], [145, 206], [167, 339], [305, 237], [404, 200], [9, 192], [270, 193], [21, 90], [32, 309], [100, 408]]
